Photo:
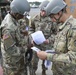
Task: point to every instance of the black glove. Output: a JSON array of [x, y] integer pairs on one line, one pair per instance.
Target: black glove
[[29, 54]]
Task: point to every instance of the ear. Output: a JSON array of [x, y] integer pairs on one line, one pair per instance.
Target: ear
[[59, 13]]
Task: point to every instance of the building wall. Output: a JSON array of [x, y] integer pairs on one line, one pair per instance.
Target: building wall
[[71, 8]]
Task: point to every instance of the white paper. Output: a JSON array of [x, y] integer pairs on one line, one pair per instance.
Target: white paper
[[50, 51], [28, 17], [48, 63], [35, 49], [38, 37], [27, 28]]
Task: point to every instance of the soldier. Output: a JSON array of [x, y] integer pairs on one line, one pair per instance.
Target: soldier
[[64, 58], [43, 23], [12, 43], [24, 28]]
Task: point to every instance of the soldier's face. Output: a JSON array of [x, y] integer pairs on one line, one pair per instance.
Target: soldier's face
[[20, 16], [43, 13], [54, 17]]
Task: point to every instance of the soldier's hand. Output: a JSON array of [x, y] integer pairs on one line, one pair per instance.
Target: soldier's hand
[[29, 54], [29, 46], [46, 42], [42, 55], [32, 42]]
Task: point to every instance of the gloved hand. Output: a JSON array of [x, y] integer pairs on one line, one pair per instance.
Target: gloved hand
[[29, 54], [46, 42]]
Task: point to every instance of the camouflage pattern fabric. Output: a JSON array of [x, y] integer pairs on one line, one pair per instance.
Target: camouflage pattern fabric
[[13, 50], [64, 61], [49, 30]]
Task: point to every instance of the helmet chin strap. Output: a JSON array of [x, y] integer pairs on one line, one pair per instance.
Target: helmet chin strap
[[57, 20]]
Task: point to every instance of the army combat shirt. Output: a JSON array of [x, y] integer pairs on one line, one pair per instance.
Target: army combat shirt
[[65, 46]]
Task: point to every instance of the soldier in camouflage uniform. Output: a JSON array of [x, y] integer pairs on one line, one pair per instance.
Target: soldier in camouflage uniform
[[43, 23], [13, 50], [24, 32], [24, 28], [64, 58]]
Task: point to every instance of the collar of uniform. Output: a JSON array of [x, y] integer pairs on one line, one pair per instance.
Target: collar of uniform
[[46, 19], [36, 17], [6, 20], [15, 21], [62, 26]]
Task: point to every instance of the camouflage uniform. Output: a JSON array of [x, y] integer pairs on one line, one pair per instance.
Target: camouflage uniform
[[49, 30], [24, 25], [13, 50], [64, 61]]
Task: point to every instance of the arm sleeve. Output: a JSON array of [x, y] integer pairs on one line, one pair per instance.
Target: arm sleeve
[[10, 43], [70, 56], [51, 39]]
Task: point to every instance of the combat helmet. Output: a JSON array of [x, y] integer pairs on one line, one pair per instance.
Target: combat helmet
[[20, 6], [43, 4], [54, 7]]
